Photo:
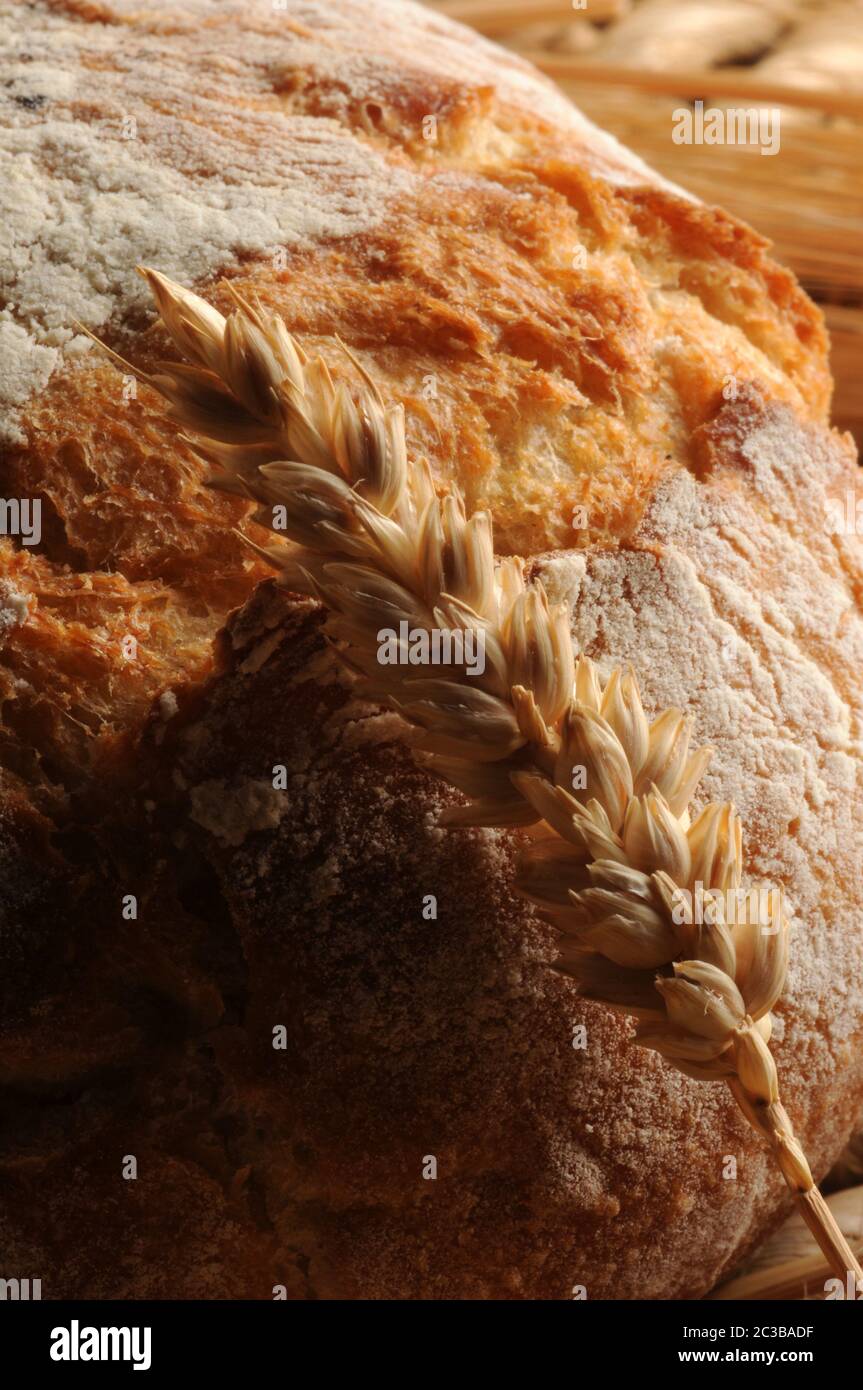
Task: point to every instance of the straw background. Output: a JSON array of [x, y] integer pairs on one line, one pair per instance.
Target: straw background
[[628, 64]]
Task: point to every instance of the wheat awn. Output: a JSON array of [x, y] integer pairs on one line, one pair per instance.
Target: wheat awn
[[613, 852]]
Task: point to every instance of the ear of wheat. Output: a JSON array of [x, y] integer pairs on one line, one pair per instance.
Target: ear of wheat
[[612, 855]]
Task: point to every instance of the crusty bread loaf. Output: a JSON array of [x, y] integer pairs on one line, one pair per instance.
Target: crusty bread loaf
[[640, 397]]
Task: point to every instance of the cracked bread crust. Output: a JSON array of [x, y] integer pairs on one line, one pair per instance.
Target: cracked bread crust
[[563, 328], [557, 321]]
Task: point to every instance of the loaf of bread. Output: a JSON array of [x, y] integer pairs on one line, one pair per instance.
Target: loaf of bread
[[232, 977]]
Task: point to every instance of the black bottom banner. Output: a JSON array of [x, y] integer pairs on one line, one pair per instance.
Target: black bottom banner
[[262, 1339]]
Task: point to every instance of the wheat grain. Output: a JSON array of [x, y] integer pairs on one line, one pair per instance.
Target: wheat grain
[[533, 739]]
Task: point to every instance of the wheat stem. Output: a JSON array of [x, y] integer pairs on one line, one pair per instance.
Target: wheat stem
[[530, 738], [772, 1123]]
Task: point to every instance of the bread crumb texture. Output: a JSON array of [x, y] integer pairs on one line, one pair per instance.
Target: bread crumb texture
[[640, 396]]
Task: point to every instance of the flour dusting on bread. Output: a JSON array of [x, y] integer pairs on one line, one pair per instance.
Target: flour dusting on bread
[[107, 163]]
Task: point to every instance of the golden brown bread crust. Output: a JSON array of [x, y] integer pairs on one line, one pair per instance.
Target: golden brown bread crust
[[542, 378]]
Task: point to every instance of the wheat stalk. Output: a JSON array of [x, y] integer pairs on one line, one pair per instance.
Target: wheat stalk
[[613, 852], [784, 1267]]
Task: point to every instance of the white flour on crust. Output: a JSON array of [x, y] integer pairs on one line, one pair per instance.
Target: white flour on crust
[[157, 137]]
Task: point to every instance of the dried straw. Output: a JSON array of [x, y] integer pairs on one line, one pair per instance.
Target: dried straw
[[695, 82], [501, 16], [606, 791], [785, 1267]]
